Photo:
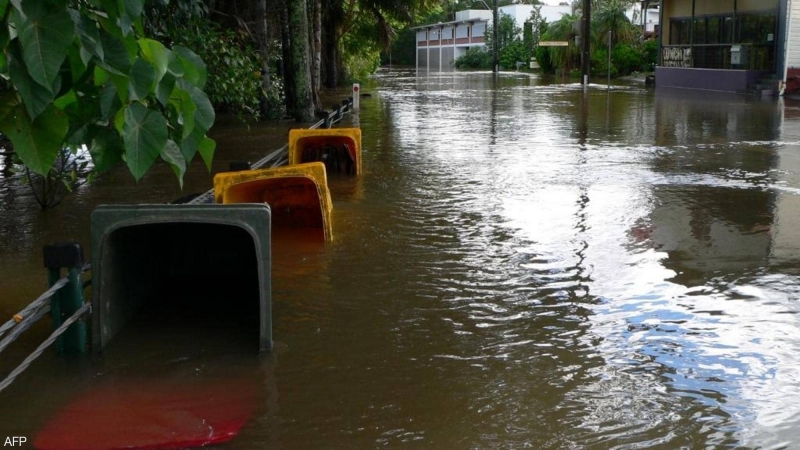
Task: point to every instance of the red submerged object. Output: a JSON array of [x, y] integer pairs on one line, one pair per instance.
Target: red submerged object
[[151, 415]]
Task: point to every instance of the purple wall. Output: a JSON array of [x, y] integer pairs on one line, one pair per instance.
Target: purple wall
[[708, 79]]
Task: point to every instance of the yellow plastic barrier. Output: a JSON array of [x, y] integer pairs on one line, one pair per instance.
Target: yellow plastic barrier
[[338, 148], [297, 195]]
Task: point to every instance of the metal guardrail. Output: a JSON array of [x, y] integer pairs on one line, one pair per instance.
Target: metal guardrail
[[65, 297], [70, 256], [280, 157]]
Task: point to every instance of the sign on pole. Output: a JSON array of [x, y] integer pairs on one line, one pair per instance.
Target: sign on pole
[[356, 96], [553, 43]]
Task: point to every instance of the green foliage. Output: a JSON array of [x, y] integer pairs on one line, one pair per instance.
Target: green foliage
[[562, 59], [609, 17], [627, 58], [512, 53], [83, 74], [234, 68], [507, 34], [543, 58], [599, 62], [361, 54], [475, 58], [649, 55], [403, 48], [72, 169]]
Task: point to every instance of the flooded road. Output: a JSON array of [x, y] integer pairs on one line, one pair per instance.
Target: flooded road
[[522, 265]]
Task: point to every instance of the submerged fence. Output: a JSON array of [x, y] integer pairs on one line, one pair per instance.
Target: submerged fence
[[280, 157], [64, 300]]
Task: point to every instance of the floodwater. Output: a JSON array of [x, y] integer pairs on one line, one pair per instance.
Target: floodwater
[[523, 264]]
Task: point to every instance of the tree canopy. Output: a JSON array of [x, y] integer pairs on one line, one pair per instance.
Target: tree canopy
[[135, 82], [82, 74]]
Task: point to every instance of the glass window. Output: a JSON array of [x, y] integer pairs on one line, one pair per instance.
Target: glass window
[[767, 28], [674, 32], [726, 33], [713, 30], [685, 29], [749, 29], [700, 31]]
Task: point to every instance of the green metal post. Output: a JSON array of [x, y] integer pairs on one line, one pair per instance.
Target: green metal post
[[69, 298]]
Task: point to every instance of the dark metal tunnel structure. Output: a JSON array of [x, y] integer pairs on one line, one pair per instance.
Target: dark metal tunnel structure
[[186, 263]]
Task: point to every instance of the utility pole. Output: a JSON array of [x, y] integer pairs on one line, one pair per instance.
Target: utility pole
[[586, 31], [495, 44]]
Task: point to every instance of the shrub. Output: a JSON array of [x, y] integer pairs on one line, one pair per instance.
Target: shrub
[[513, 52], [650, 55], [599, 61], [627, 58], [475, 58], [543, 58], [234, 69]]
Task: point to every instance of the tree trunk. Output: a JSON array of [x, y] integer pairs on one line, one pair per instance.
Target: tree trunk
[[330, 48], [298, 27], [263, 48], [286, 60], [316, 56]]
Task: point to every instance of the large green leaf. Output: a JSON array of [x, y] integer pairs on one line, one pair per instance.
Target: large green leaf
[[9, 100], [66, 100], [145, 135], [142, 79], [105, 147], [116, 58], [171, 153], [156, 54], [165, 88], [35, 97], [3, 6], [191, 143], [81, 115], [123, 83], [204, 117], [38, 142], [130, 11], [174, 64], [100, 76], [133, 8], [89, 35], [206, 149], [5, 37], [194, 69], [109, 101], [77, 66], [186, 108], [45, 35]]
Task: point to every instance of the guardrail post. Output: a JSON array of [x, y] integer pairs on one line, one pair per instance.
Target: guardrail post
[[69, 298]]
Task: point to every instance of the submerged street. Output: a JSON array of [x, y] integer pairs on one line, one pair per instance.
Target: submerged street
[[523, 264]]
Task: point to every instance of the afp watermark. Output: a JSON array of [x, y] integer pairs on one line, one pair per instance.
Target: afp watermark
[[15, 441]]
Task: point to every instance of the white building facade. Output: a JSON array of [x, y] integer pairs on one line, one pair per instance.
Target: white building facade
[[440, 44]]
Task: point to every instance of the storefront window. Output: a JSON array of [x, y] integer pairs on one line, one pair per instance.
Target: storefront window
[[700, 31]]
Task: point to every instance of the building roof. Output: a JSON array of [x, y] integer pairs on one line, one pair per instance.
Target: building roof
[[453, 22]]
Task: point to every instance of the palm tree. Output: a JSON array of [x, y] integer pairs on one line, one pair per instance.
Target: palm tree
[[563, 30], [609, 16]]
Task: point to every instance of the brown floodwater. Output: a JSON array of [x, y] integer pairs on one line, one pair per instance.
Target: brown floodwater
[[523, 264]]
